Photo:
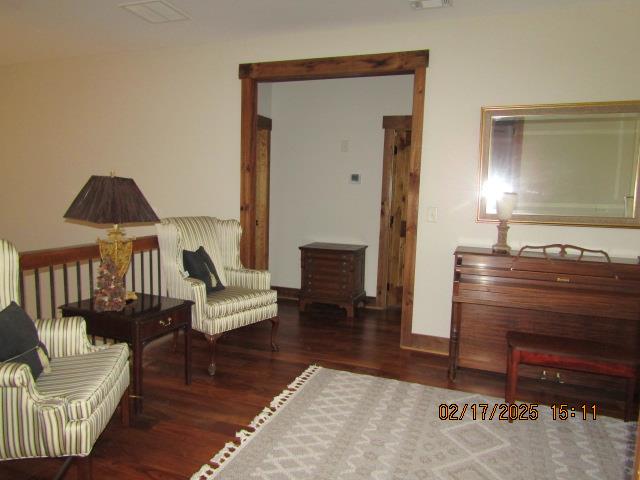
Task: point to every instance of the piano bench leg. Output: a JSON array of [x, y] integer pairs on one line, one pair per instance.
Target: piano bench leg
[[513, 360], [631, 391]]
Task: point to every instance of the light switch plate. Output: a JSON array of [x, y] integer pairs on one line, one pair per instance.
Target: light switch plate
[[432, 214]]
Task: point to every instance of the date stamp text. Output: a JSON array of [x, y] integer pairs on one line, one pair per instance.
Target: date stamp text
[[513, 411]]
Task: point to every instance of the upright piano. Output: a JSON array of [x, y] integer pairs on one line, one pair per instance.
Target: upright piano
[[548, 290]]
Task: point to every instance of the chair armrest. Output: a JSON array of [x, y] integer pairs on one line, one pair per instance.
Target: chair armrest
[[246, 278], [22, 400], [193, 289], [64, 336], [15, 375], [18, 375]]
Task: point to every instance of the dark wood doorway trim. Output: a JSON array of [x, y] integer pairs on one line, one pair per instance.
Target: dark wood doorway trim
[[390, 124], [399, 63], [263, 160], [396, 122]]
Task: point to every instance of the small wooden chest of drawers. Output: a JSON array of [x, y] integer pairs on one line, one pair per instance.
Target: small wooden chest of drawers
[[332, 273]]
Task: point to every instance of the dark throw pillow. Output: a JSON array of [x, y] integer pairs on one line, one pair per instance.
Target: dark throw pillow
[[212, 268], [198, 265], [19, 340], [196, 268]]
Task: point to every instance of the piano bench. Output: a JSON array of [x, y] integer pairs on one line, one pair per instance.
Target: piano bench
[[571, 354]]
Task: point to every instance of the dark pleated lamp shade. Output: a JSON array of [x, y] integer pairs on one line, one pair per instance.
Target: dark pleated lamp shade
[[114, 200]]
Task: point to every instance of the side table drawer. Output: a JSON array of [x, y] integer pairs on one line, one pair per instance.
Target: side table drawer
[[159, 326]]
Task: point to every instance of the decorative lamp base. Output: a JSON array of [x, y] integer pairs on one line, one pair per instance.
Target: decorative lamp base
[[110, 292], [116, 257], [501, 245], [118, 249]]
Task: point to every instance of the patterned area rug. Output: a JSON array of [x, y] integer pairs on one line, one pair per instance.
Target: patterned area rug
[[331, 425]]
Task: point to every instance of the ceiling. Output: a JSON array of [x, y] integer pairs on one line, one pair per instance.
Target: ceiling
[[32, 30]]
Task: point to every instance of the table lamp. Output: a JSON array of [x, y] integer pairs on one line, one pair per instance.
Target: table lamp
[[504, 205], [112, 200]]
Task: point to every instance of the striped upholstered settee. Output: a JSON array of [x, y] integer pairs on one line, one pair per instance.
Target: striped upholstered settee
[[62, 413], [247, 298]]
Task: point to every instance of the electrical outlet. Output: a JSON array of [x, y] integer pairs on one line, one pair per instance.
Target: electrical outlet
[[354, 178], [344, 146]]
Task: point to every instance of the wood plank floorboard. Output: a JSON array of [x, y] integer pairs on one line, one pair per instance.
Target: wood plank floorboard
[[183, 426]]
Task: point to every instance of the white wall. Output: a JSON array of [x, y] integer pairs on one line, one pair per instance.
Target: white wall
[[171, 120], [264, 99], [312, 198], [158, 117]]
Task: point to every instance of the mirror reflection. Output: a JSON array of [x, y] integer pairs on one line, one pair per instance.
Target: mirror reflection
[[570, 164]]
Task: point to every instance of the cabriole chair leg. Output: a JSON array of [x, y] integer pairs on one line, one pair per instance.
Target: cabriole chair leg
[[213, 341]]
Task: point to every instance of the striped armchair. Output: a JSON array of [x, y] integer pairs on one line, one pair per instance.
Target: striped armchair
[[62, 413], [247, 298]]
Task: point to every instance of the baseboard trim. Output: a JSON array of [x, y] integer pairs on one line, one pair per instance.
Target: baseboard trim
[[370, 303], [287, 293], [427, 344]]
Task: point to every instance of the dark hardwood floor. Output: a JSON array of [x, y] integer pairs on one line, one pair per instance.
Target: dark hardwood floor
[[183, 426]]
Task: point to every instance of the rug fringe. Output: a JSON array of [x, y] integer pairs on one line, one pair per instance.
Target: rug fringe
[[230, 449]]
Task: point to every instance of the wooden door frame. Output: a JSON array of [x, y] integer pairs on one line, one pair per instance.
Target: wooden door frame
[[398, 63], [262, 261], [390, 123]]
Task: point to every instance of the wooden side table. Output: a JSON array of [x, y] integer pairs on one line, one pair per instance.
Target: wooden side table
[[141, 321]]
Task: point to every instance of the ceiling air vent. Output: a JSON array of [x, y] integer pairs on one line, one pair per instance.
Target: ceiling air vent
[[155, 11], [422, 4]]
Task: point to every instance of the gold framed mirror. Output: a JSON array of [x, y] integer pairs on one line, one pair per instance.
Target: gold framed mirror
[[570, 164]]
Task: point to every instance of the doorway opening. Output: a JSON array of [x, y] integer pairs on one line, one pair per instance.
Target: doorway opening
[[401, 63]]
